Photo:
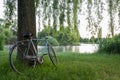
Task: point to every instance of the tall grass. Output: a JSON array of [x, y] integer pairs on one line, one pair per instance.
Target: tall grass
[[71, 66]]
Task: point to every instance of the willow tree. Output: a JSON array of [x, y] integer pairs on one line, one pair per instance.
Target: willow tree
[[55, 17], [119, 17], [117, 7], [111, 17], [89, 17], [10, 7], [49, 13], [99, 10], [26, 19], [44, 5], [68, 12], [76, 7], [62, 13], [114, 7], [75, 10]]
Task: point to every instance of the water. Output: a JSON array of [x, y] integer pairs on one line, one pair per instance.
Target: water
[[82, 48]]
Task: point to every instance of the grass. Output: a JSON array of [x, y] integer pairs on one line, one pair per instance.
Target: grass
[[71, 66]]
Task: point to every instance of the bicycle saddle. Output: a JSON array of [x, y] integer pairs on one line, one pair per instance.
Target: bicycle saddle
[[27, 35]]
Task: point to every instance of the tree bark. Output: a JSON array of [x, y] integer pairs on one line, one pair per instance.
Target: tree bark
[[26, 19]]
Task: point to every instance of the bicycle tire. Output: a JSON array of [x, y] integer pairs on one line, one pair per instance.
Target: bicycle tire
[[16, 64], [52, 54]]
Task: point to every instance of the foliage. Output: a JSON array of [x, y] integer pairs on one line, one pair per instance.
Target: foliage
[[2, 41], [1, 29], [8, 35], [111, 17], [65, 36], [37, 3], [10, 6], [92, 40], [51, 39], [58, 12], [75, 11], [111, 45], [10, 13]]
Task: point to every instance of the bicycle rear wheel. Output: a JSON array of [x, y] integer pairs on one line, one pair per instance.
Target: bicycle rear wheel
[[18, 64], [52, 54]]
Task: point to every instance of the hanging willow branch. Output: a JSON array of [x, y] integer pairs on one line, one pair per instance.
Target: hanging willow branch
[[62, 12], [89, 6], [10, 11], [10, 7], [75, 10], [37, 2], [76, 7], [111, 25], [55, 12], [68, 12]]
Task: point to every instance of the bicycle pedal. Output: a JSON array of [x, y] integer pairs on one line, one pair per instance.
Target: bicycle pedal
[[41, 61]]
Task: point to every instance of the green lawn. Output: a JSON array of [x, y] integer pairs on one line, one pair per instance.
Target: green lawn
[[71, 66]]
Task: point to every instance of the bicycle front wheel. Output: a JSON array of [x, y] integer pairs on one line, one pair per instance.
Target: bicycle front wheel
[[52, 54], [17, 63]]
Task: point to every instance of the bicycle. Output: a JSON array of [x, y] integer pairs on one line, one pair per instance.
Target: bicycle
[[24, 47]]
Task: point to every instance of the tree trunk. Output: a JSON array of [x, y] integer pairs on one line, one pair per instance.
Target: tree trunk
[[26, 19]]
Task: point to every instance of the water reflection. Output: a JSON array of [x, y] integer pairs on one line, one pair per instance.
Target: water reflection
[[82, 48]]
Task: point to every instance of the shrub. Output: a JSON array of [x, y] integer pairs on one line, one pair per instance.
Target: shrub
[[2, 41], [111, 45], [65, 35], [51, 40], [8, 35]]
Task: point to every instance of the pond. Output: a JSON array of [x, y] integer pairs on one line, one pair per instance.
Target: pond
[[82, 48]]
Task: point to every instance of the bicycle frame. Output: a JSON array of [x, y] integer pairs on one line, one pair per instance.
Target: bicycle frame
[[31, 43]]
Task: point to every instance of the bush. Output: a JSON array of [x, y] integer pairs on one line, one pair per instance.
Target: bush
[[51, 40], [68, 36], [8, 35], [2, 41], [111, 45], [65, 35]]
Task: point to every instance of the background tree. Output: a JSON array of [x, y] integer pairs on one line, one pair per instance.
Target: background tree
[[111, 17], [55, 13]]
